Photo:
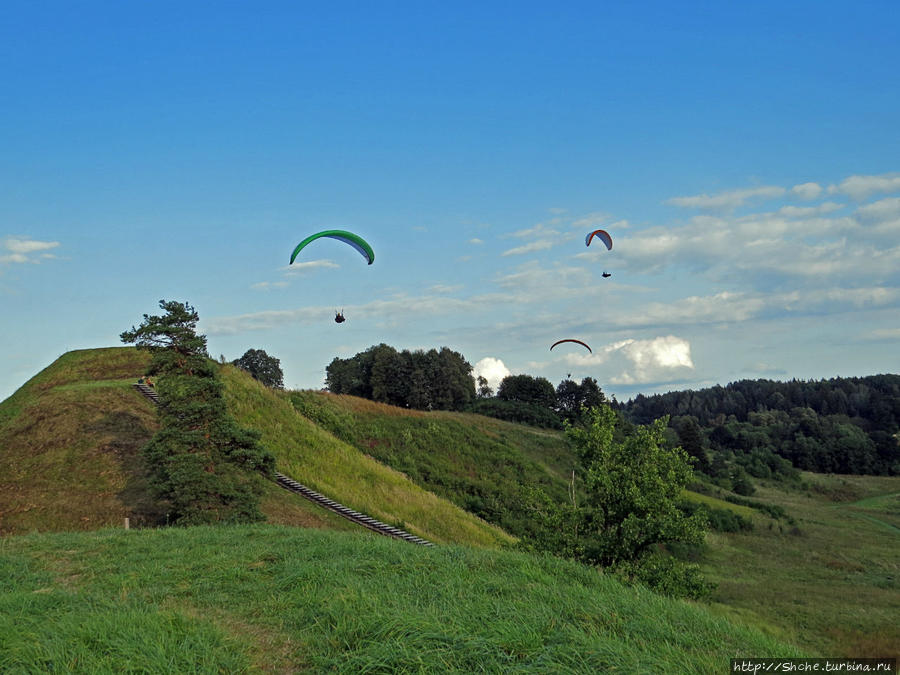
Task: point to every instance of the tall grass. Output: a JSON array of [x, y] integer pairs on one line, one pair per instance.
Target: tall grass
[[272, 598]]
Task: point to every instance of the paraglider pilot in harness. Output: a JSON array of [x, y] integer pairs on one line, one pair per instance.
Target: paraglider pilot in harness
[[339, 316]]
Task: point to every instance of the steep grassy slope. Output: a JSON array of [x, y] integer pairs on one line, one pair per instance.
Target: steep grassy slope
[[267, 598], [315, 457], [69, 451], [482, 464]]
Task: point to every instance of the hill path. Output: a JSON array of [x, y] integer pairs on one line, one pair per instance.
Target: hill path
[[290, 484]]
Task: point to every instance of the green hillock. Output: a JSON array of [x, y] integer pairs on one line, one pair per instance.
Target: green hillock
[[69, 457]]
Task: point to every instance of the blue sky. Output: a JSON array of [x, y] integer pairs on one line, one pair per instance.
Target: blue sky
[[745, 158]]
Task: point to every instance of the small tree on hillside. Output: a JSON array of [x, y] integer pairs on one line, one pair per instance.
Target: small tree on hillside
[[633, 484], [200, 460], [262, 367]]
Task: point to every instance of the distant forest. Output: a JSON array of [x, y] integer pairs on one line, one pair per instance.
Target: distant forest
[[750, 428], [840, 425]]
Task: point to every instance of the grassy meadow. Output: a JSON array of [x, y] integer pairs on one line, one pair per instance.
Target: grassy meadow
[[266, 598], [830, 583]]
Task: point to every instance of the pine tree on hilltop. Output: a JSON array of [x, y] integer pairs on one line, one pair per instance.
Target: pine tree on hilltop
[[200, 461]]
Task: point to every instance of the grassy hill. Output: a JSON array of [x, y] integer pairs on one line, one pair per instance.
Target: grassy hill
[[825, 578], [270, 598], [69, 457]]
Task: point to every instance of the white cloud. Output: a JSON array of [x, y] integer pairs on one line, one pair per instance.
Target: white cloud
[[539, 230], [398, 308], [860, 187], [807, 191], [881, 210], [267, 285], [809, 211], [20, 250], [591, 220], [727, 200], [537, 245], [476, 240], [492, 369], [301, 267], [444, 288]]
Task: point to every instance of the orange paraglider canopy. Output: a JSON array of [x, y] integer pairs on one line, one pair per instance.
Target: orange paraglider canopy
[[602, 235]]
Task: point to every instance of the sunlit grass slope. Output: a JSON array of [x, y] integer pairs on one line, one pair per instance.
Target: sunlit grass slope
[[484, 465], [262, 597], [320, 460]]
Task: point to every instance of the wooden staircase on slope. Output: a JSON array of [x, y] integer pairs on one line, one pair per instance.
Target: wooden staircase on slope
[[289, 483]]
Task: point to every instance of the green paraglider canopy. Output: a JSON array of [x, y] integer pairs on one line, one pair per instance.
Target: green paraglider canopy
[[354, 240]]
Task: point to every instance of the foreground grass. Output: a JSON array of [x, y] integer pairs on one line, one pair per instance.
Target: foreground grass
[[271, 598]]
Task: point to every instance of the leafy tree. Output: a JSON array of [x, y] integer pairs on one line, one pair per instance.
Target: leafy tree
[[265, 368], [633, 489], [200, 461], [527, 389], [572, 398], [484, 389]]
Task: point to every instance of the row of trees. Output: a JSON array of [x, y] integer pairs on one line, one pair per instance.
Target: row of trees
[[432, 380], [873, 401]]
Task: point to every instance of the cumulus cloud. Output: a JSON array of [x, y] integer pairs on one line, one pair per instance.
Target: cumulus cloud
[[660, 359], [492, 369], [807, 191], [860, 187], [23, 250], [727, 200]]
